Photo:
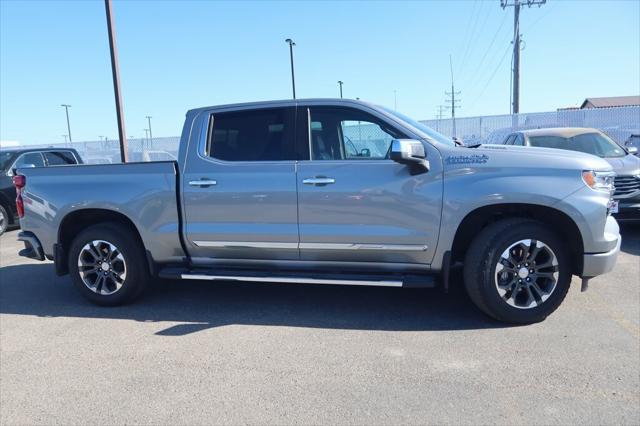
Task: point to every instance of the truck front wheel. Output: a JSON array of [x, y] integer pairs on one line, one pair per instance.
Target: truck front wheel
[[517, 271], [107, 264]]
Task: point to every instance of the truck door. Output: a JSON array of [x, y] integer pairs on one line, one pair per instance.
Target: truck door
[[357, 205], [239, 188]]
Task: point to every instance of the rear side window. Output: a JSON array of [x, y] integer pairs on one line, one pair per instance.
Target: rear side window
[[509, 140], [30, 159], [256, 135], [59, 158]]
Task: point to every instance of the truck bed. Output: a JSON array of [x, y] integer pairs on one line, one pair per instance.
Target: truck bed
[[145, 193]]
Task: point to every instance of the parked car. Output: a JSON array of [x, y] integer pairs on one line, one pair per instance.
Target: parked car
[[625, 164], [13, 158], [273, 192], [157, 155], [633, 142]]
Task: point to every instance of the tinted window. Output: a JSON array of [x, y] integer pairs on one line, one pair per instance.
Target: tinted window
[[59, 158], [257, 135], [509, 140], [591, 143], [518, 141], [347, 134], [30, 158]]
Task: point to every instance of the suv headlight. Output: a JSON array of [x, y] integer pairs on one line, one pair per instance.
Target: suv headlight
[[599, 181]]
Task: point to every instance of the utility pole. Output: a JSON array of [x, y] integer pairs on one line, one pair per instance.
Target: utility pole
[[452, 100], [340, 83], [517, 4], [115, 71], [66, 108], [148, 117], [293, 76], [65, 139], [146, 135]]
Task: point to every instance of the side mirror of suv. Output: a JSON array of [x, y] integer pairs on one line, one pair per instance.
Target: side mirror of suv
[[411, 153], [632, 150]]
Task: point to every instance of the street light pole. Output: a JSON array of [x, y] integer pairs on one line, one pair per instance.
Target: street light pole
[[293, 76], [150, 134], [115, 71], [340, 83], [66, 108]]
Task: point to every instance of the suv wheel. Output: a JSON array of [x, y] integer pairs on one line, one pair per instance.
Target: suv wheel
[[4, 219], [517, 271], [107, 264]]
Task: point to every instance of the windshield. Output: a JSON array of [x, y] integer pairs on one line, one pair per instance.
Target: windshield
[[590, 143], [427, 131], [5, 159]]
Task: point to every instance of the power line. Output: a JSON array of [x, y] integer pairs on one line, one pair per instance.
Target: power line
[[504, 55], [486, 52], [517, 5], [452, 99], [474, 39]]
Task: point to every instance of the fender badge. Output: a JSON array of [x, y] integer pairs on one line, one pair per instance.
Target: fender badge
[[468, 159]]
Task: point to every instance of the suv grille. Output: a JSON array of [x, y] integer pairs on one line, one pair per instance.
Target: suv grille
[[626, 185]]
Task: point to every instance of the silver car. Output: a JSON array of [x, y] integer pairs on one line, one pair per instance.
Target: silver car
[[624, 161]]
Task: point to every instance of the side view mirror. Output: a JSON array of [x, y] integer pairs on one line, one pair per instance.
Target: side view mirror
[[12, 172], [411, 153], [632, 150]]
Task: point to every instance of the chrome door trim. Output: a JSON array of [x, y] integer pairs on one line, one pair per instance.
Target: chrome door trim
[[310, 246], [356, 246], [246, 244], [318, 181], [293, 280], [203, 182]]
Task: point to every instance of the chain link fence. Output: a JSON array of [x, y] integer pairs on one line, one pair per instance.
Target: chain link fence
[[619, 123]]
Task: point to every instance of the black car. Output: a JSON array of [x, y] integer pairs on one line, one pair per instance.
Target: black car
[[11, 159]]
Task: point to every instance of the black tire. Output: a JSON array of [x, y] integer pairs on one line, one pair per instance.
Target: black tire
[[137, 273], [483, 256], [4, 219]]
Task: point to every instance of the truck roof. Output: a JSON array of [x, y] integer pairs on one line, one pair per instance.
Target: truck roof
[[287, 102]]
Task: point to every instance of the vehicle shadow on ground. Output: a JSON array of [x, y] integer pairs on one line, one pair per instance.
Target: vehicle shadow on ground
[[34, 289], [630, 232]]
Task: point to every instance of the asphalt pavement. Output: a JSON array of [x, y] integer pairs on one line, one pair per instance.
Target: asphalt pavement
[[243, 353]]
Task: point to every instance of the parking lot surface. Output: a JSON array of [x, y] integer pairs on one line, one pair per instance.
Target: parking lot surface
[[203, 353]]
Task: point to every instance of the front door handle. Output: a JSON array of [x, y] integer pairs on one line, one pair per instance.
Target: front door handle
[[319, 181], [202, 182]]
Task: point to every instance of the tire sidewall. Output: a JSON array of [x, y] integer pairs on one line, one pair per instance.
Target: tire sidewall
[[492, 298], [4, 224], [133, 257]]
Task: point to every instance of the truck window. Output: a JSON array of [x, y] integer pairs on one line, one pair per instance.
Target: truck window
[[29, 158], [348, 134], [59, 158], [255, 135]]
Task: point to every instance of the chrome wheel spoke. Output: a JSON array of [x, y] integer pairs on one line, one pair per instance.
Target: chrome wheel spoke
[[522, 282], [102, 267]]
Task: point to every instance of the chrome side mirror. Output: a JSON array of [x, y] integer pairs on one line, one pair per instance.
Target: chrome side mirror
[[632, 150], [410, 152]]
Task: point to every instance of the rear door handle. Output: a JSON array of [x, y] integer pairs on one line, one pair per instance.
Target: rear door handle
[[202, 182], [319, 180]]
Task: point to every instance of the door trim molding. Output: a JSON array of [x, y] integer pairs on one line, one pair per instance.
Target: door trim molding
[[310, 246]]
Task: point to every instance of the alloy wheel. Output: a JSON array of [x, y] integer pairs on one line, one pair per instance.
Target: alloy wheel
[[526, 274], [102, 267]]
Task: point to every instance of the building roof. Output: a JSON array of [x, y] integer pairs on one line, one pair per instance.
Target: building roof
[[611, 101]]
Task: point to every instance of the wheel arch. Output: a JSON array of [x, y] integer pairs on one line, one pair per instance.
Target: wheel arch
[[78, 220], [560, 222]]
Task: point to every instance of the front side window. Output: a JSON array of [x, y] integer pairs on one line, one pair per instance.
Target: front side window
[[31, 158], [59, 158], [347, 134], [255, 135]]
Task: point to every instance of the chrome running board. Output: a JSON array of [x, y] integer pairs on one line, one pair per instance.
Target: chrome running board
[[292, 280]]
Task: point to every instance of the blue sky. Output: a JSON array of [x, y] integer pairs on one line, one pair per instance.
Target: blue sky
[[176, 55]]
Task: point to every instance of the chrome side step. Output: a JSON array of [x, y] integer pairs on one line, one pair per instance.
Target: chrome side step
[[293, 280]]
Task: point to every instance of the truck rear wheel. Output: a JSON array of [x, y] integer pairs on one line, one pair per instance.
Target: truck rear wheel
[[107, 264], [4, 219], [517, 271]]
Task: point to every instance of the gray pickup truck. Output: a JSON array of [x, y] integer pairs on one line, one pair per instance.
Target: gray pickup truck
[[328, 191]]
